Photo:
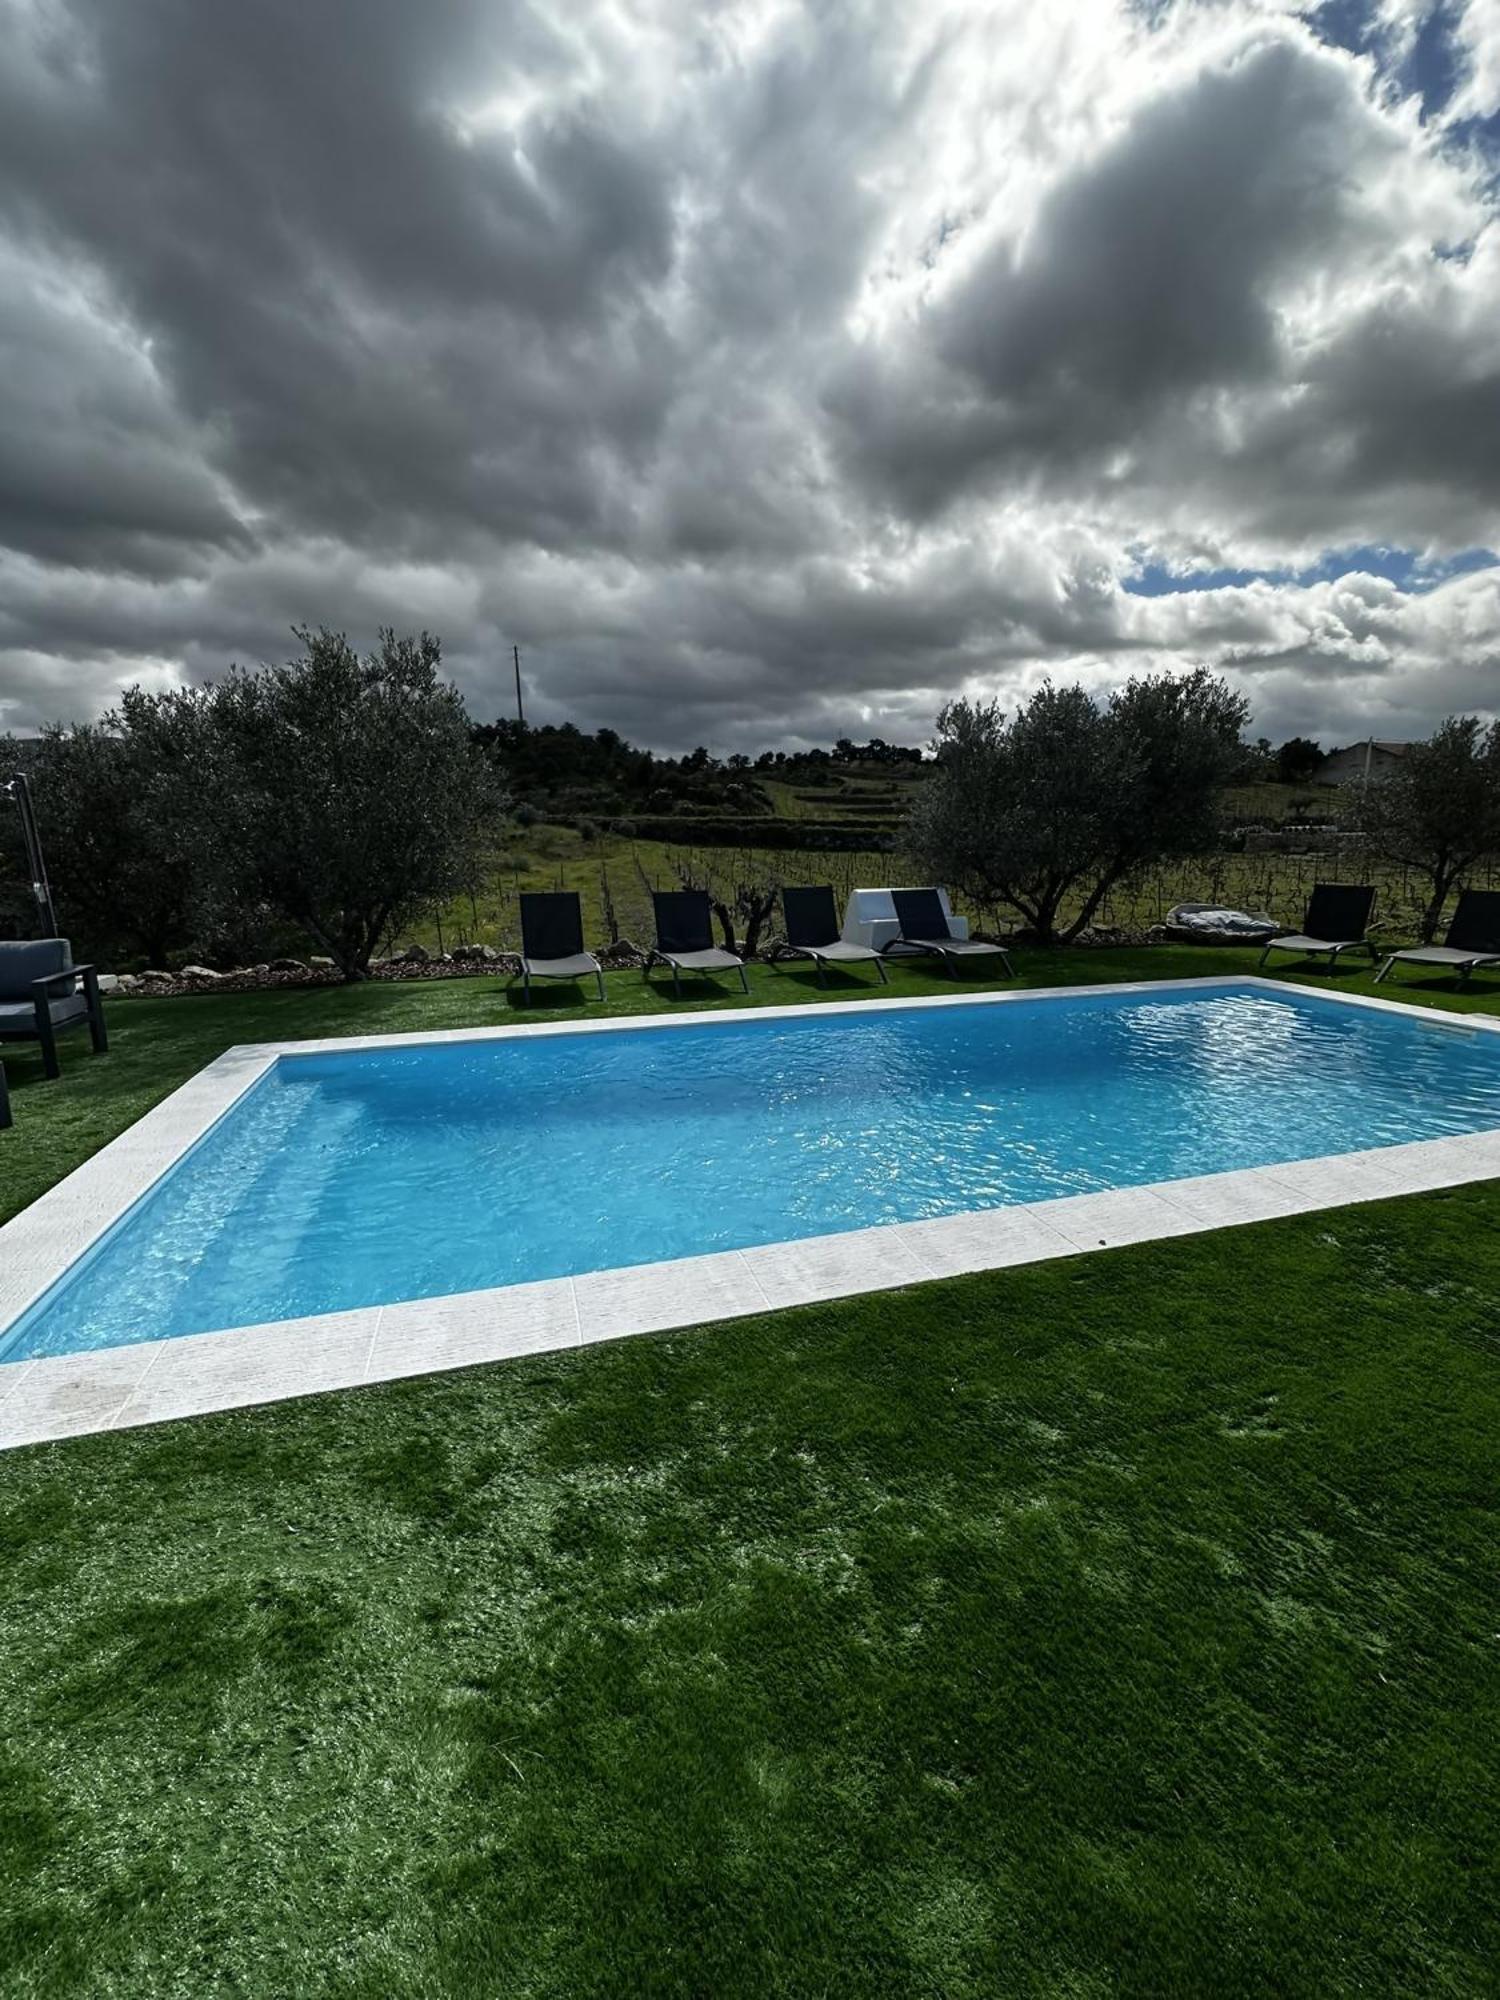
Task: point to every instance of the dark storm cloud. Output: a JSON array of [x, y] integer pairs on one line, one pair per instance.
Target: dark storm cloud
[[96, 466], [767, 373], [1147, 284], [385, 319]]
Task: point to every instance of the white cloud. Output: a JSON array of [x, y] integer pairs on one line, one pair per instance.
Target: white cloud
[[1477, 34]]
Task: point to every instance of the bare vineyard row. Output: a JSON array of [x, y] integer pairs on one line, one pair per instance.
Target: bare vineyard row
[[615, 887]]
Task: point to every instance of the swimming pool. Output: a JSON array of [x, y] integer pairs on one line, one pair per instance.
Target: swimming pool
[[356, 1176]]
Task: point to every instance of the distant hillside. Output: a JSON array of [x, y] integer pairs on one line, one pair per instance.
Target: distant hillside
[[854, 795]]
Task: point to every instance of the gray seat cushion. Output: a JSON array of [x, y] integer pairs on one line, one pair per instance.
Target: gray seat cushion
[[34, 958], [1443, 954], [712, 960], [18, 1017], [575, 966], [1299, 941]]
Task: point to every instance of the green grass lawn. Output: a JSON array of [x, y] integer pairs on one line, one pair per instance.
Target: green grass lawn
[[1120, 1625]]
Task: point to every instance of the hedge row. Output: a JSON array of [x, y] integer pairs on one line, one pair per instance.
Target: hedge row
[[842, 835]]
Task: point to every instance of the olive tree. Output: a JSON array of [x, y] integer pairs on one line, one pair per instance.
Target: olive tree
[[1051, 808], [124, 808], [1438, 812], [353, 795]]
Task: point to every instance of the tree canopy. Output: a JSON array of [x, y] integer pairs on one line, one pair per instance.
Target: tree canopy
[[1438, 811], [1050, 808], [337, 793], [353, 793], [124, 807]]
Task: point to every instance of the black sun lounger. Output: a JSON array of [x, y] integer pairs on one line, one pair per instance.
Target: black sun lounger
[[552, 940], [1338, 915], [925, 930], [685, 937], [1473, 938], [812, 931]]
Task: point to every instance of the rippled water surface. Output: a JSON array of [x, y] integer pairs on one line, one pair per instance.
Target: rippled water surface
[[347, 1180]]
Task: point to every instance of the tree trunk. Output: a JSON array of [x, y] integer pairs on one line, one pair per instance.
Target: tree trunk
[[1091, 903], [757, 917], [1043, 919], [1442, 882]]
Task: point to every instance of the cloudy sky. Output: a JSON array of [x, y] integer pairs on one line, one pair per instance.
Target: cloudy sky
[[767, 371]]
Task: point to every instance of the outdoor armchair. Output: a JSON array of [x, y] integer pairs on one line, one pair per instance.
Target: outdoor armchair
[[40, 997]]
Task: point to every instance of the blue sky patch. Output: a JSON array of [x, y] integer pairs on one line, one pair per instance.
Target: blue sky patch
[[1403, 567]]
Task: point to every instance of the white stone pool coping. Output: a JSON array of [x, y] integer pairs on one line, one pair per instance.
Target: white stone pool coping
[[149, 1382]]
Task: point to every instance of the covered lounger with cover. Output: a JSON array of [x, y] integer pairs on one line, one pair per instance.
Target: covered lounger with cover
[[925, 931], [812, 931], [685, 937], [1473, 938], [1338, 915], [552, 940]]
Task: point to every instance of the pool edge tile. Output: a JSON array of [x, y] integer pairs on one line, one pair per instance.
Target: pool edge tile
[[74, 1395], [1116, 1217], [654, 1298], [813, 1268], [987, 1239], [243, 1366], [469, 1329], [12, 1374]]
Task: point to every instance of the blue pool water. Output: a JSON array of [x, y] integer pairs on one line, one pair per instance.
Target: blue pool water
[[357, 1178]]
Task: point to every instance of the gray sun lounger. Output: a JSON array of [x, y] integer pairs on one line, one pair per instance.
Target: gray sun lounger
[[925, 931], [1473, 938], [40, 997], [685, 937], [1337, 917], [552, 940], [812, 931]]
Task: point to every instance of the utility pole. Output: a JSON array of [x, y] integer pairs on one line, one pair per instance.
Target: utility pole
[[520, 712]]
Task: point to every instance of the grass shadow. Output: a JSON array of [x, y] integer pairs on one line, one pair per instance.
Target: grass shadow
[[570, 994]]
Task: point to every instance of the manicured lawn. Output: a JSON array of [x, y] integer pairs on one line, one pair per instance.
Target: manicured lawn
[[1122, 1625]]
